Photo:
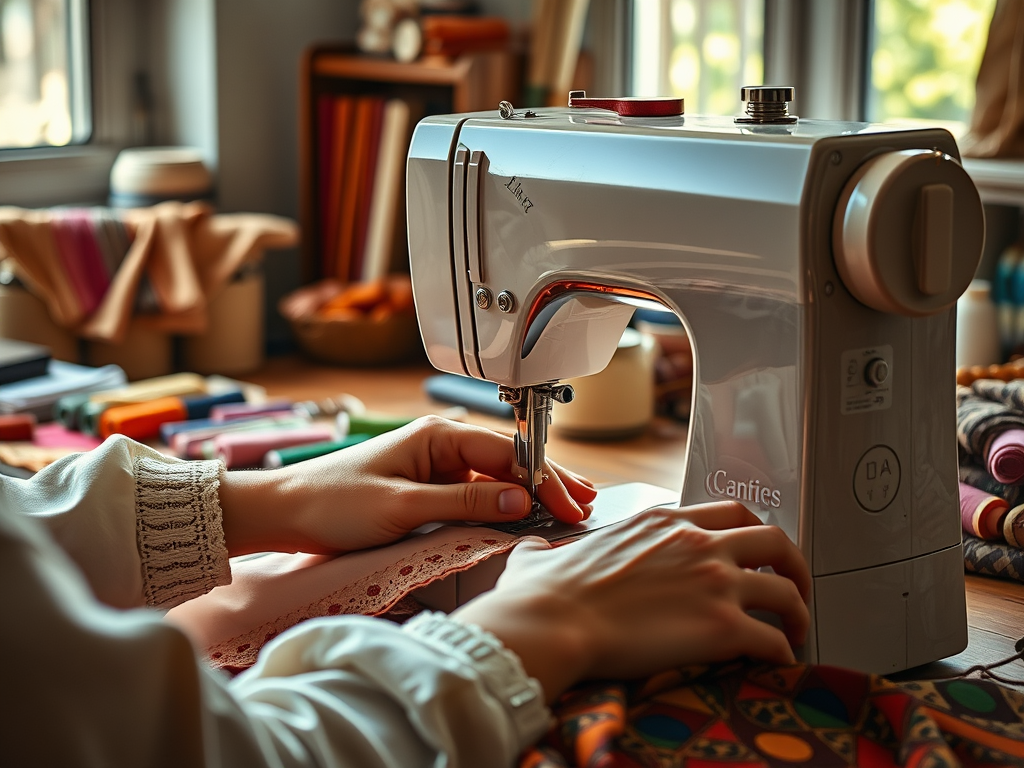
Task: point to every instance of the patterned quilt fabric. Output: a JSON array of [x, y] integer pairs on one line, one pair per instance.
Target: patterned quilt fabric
[[745, 715]]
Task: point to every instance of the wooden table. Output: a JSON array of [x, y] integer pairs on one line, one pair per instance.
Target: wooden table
[[995, 608]]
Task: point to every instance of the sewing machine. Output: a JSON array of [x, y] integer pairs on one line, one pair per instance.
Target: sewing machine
[[815, 267]]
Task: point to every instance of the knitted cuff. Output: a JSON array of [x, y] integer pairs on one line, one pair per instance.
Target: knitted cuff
[[521, 696], [179, 529]]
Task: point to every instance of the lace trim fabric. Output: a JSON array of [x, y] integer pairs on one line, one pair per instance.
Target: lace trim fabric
[[179, 530], [371, 595]]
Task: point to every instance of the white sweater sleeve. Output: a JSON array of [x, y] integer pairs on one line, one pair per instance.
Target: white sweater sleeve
[[144, 528], [100, 686]]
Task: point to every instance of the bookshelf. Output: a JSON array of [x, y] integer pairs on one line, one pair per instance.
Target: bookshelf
[[334, 80]]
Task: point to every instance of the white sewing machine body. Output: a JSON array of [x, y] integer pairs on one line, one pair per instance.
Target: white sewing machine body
[[826, 417]]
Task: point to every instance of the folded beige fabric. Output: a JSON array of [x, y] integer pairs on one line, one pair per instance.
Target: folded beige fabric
[[187, 252]]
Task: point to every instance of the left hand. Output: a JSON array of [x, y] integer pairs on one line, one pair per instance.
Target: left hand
[[376, 492]]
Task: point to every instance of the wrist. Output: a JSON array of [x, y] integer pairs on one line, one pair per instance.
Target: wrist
[[548, 633], [257, 513]]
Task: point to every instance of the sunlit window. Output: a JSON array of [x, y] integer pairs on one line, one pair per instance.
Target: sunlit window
[[702, 50], [43, 73], [924, 60]]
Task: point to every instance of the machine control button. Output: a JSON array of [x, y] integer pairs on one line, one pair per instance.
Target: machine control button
[[876, 373], [483, 298], [767, 104], [876, 481], [506, 302]]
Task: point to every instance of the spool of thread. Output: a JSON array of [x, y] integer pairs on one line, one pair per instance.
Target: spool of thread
[[68, 408], [17, 426], [188, 444], [981, 514], [1013, 527], [89, 417], [367, 424], [200, 406], [171, 428], [282, 457], [248, 449], [141, 421], [173, 385], [248, 410]]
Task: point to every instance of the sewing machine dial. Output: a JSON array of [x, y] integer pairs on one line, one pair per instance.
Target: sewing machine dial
[[908, 231]]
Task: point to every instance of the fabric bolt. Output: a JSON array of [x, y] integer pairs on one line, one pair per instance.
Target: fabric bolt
[[1009, 393], [979, 419], [747, 715], [1005, 456], [1013, 527], [978, 476], [993, 558], [981, 514]]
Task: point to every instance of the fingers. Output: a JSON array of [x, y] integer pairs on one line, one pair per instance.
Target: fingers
[[767, 545], [719, 515], [484, 502], [558, 500], [768, 592], [758, 640]]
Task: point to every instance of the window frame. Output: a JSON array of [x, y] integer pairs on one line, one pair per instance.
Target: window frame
[[80, 173]]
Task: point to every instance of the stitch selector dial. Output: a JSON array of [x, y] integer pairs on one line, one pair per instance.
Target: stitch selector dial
[[908, 232]]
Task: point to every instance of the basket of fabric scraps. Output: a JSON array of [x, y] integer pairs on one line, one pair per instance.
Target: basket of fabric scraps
[[368, 323]]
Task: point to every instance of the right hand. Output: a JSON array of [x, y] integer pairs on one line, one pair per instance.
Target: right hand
[[669, 587]]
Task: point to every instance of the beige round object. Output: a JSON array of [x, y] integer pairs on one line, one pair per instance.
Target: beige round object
[[908, 232], [24, 317], [407, 40], [166, 172], [233, 342], [617, 402]]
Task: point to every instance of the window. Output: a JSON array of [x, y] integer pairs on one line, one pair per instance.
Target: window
[[702, 50], [924, 58], [44, 73]]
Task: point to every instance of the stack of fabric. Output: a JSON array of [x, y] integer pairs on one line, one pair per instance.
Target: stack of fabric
[[990, 432]]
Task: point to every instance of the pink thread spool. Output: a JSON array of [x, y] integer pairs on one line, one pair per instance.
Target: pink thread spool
[[247, 449]]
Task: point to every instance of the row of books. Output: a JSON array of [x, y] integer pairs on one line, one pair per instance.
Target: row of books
[[362, 142]]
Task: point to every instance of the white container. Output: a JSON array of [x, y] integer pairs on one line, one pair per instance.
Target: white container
[[977, 328], [617, 402]]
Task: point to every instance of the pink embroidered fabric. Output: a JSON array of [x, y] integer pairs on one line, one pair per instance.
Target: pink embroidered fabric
[[270, 593]]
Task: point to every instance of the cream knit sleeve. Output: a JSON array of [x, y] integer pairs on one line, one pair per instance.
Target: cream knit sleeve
[[144, 528]]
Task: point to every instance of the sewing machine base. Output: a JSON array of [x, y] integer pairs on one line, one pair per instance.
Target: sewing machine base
[[613, 505]]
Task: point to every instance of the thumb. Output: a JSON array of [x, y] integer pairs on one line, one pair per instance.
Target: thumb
[[483, 501]]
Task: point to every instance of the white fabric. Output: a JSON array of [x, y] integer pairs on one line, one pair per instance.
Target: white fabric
[[88, 683]]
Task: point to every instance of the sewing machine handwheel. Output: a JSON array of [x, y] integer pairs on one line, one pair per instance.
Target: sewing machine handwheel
[[908, 232]]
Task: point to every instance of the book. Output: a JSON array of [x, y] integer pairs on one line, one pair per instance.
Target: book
[[20, 360], [387, 189], [349, 205], [343, 108], [366, 185]]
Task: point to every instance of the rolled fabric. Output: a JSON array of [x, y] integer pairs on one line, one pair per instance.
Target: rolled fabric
[[981, 514], [977, 476], [993, 559], [247, 449], [1005, 456], [978, 419], [1010, 393], [1013, 527]]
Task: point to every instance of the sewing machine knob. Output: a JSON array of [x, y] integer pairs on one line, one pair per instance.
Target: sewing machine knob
[[507, 302], [876, 372], [483, 298], [908, 231]]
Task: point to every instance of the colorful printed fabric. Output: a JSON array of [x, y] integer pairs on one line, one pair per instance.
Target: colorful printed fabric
[[979, 419], [743, 715], [1010, 393], [991, 558], [975, 475]]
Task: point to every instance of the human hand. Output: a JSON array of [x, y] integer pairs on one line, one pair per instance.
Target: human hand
[[378, 491], [668, 587]]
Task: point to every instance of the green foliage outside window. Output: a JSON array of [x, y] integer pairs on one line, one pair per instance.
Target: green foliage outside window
[[924, 60]]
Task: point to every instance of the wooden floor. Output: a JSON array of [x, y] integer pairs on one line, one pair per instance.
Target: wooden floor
[[995, 608]]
